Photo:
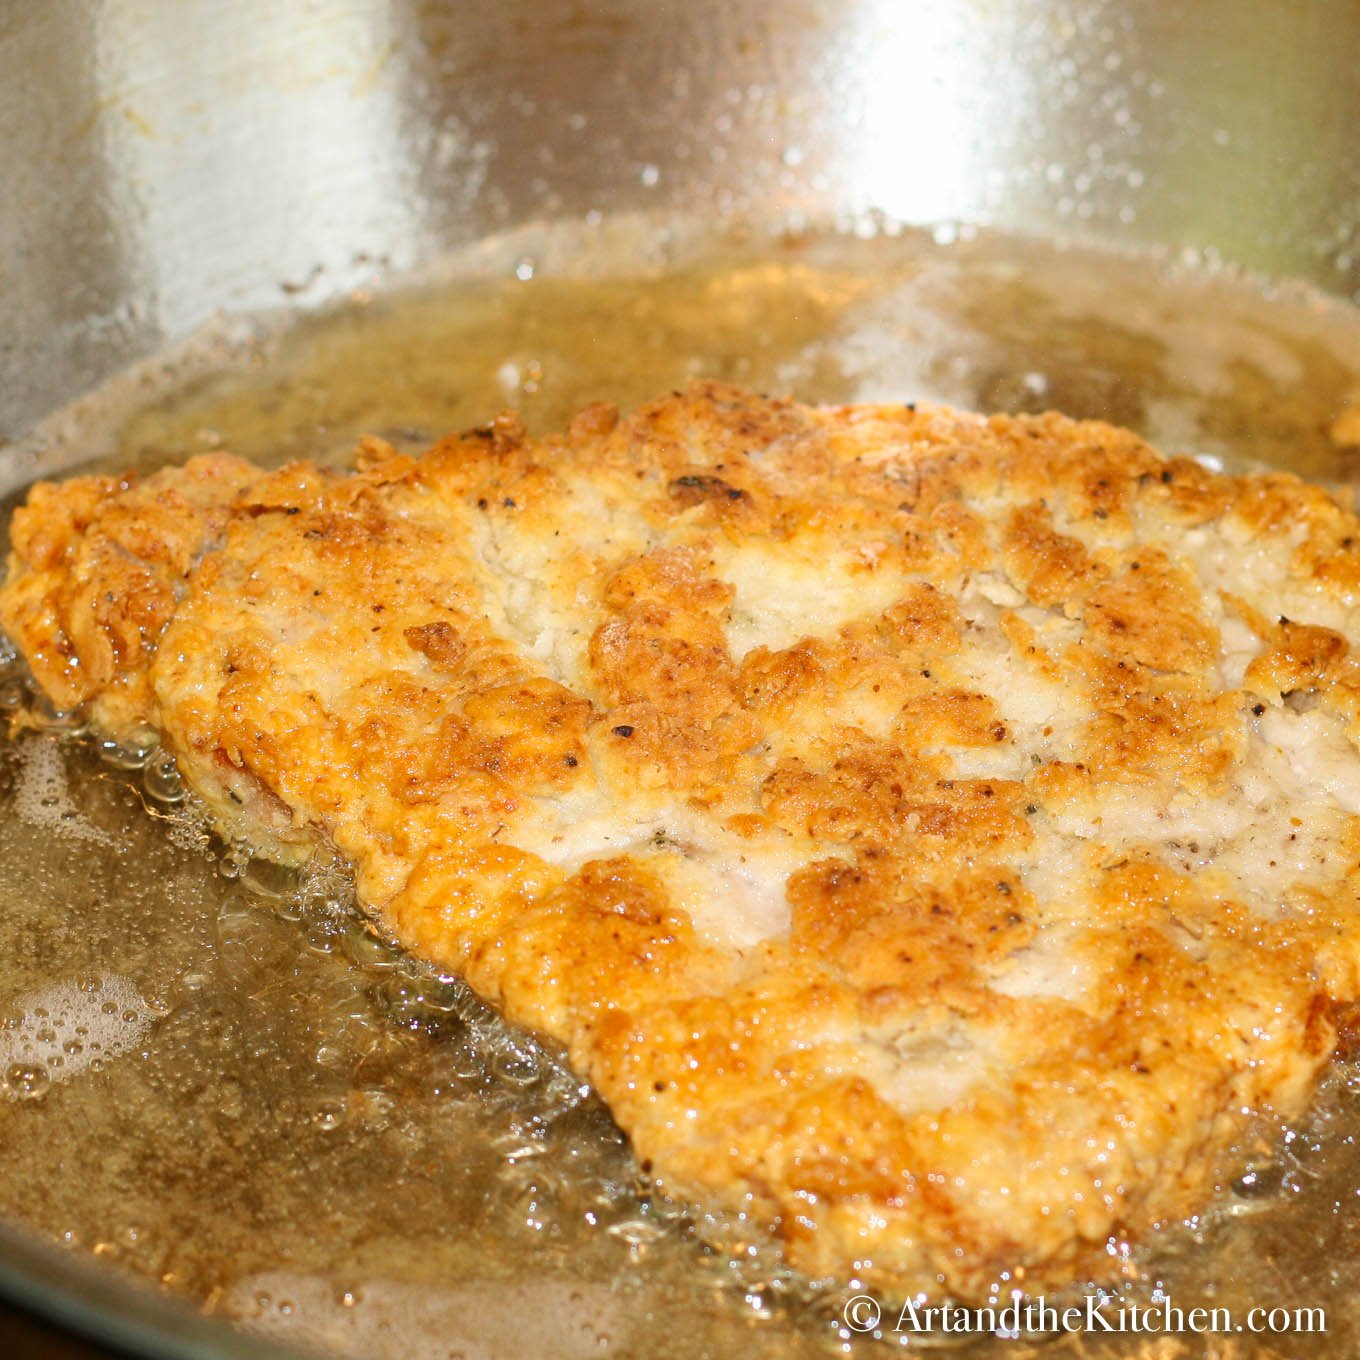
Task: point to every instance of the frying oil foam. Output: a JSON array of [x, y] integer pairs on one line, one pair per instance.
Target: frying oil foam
[[64, 1028]]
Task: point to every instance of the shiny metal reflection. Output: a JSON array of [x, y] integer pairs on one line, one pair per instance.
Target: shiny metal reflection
[[163, 162]]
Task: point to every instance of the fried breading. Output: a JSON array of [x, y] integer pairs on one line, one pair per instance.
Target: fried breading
[[935, 836]]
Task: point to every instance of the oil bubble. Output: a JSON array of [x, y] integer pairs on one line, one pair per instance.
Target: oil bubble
[[366, 950], [132, 752], [161, 779], [329, 1115], [26, 1080], [265, 878]]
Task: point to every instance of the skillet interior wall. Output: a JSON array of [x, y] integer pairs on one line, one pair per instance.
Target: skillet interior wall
[[166, 162]]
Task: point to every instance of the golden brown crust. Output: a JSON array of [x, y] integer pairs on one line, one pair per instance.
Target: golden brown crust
[[929, 831]]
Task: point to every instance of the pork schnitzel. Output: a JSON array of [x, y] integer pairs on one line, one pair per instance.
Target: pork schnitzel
[[936, 836]]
